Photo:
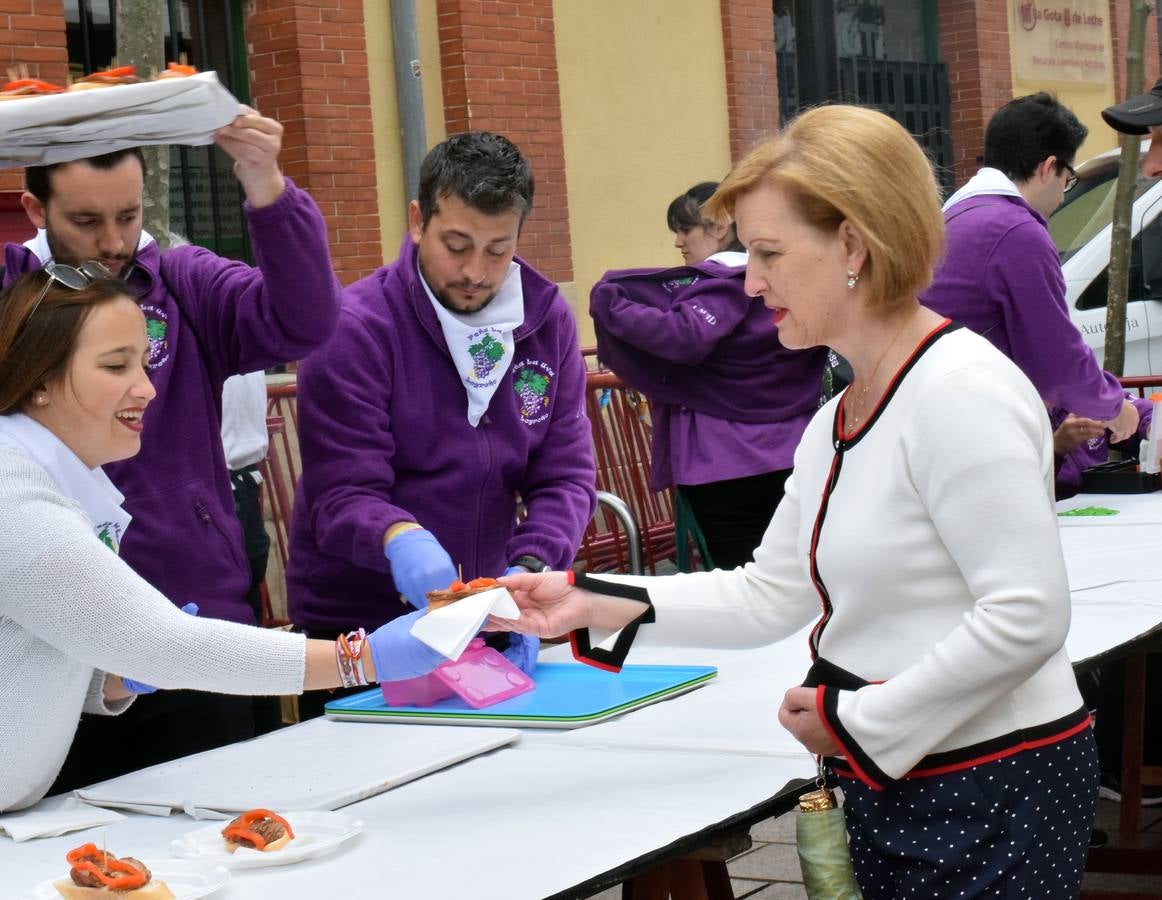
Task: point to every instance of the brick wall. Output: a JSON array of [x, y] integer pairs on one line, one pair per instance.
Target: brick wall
[[752, 89], [1119, 34], [499, 72], [974, 43], [32, 33], [308, 70]]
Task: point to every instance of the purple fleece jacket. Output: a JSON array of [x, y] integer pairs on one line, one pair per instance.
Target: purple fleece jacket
[[185, 538], [385, 438], [692, 340], [1094, 452], [1001, 277]]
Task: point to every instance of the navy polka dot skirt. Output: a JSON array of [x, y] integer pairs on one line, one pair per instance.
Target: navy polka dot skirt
[[1016, 827]]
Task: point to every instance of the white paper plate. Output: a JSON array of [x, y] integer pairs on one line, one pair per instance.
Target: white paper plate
[[316, 833], [186, 878]]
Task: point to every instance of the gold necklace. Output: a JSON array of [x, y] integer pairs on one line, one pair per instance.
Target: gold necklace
[[859, 399]]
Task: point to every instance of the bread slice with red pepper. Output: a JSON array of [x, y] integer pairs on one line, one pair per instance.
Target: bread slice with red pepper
[[97, 873], [108, 78], [258, 829], [458, 590], [28, 87]]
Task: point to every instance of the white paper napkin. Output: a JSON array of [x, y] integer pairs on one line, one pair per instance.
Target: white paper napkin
[[54, 817], [448, 629], [60, 127]]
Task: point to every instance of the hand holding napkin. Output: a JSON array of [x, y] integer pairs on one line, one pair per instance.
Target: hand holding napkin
[[448, 629]]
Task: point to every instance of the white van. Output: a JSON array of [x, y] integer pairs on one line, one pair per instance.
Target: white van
[[1081, 229]]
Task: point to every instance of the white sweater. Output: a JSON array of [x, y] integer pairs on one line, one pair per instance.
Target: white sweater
[[939, 551], [71, 610]]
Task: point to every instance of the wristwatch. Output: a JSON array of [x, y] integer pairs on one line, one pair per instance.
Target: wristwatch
[[531, 563]]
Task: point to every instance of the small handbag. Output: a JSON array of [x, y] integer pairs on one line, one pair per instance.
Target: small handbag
[[821, 839]]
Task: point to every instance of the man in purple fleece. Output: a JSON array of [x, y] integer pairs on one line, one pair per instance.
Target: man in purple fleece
[[208, 318], [453, 386], [1001, 273]]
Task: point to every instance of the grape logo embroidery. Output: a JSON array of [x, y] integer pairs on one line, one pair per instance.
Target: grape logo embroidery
[[531, 383], [675, 284], [157, 331], [109, 534], [486, 353]]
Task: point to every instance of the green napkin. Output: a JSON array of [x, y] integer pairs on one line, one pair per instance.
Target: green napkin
[[1090, 511]]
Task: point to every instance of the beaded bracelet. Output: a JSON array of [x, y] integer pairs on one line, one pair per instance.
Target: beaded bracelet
[[349, 658]]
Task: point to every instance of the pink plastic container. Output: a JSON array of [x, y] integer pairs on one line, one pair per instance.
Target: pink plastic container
[[480, 677]]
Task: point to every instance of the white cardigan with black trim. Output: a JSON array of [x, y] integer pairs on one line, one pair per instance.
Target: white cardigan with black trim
[[925, 546]]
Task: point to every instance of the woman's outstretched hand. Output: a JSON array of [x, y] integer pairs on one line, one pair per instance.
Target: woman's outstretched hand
[[548, 604]]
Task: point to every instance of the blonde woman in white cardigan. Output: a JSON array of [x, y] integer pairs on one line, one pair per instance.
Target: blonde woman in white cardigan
[[917, 532], [74, 618]]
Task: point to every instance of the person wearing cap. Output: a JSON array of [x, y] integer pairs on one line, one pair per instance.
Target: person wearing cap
[[453, 384], [1141, 115], [1001, 272]]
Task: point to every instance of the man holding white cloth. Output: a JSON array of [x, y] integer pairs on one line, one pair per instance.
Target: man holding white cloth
[[453, 386]]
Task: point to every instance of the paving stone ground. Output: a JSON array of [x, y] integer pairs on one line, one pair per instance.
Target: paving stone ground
[[770, 869]]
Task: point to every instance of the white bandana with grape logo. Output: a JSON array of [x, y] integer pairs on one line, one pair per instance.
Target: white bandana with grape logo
[[481, 343]]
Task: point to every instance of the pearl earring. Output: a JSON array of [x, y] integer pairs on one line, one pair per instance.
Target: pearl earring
[[852, 278], [41, 400]]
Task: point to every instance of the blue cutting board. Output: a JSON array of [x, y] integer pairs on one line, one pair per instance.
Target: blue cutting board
[[567, 695]]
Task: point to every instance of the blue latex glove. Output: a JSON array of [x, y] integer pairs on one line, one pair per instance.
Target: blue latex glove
[[522, 648], [418, 565], [522, 651], [397, 654], [138, 687]]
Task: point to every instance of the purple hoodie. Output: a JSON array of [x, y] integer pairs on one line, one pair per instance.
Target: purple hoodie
[[1095, 451], [1001, 276], [385, 438], [185, 538], [727, 399]]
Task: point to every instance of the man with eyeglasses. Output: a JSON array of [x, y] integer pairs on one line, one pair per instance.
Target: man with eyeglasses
[[1001, 272], [208, 318]]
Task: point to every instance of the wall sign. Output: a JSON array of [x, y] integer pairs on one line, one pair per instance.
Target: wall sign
[[1064, 41]]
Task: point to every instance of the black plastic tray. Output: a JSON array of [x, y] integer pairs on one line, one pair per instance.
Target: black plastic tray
[[1118, 477]]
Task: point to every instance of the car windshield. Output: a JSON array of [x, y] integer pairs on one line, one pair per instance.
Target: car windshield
[[1089, 207]]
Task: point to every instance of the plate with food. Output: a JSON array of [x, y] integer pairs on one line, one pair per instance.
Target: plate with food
[[259, 838], [46, 123], [96, 874]]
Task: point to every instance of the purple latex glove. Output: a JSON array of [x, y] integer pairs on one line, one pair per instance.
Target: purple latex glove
[[138, 687], [398, 655]]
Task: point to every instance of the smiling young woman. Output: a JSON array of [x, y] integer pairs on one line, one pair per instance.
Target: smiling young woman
[[96, 402], [74, 389]]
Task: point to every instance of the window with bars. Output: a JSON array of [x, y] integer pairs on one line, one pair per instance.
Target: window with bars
[[205, 200], [886, 59]]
